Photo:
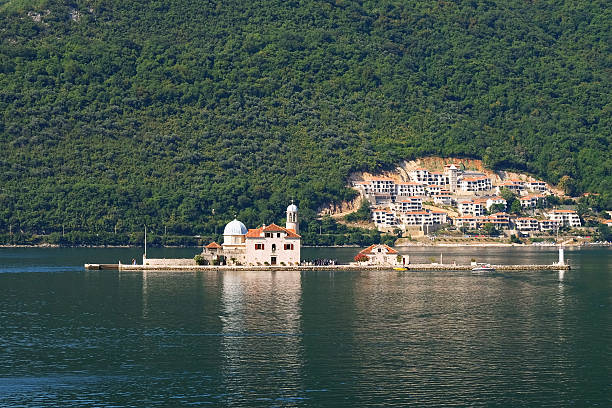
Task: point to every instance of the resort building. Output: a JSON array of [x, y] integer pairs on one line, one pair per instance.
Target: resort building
[[475, 184], [516, 186], [426, 177], [548, 225], [491, 201], [444, 199], [525, 224], [499, 220], [531, 201], [409, 188], [383, 218], [408, 204], [536, 185], [565, 218], [471, 207], [465, 221]]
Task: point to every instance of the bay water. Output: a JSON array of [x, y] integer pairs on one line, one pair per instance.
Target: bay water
[[76, 338]]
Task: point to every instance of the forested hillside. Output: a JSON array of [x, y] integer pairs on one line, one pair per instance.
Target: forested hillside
[[116, 114]]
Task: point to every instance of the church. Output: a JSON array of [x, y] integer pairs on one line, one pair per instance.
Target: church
[[265, 245]]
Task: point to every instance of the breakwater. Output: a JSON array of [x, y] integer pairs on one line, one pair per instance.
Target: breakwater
[[355, 268]]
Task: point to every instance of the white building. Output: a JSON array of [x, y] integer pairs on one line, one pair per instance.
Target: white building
[[531, 201], [384, 218], [471, 207], [499, 220], [525, 224], [491, 201], [467, 221], [408, 204], [565, 218], [409, 188], [548, 225], [424, 176], [272, 245], [380, 254], [536, 185], [475, 184], [382, 185], [516, 186], [444, 199]]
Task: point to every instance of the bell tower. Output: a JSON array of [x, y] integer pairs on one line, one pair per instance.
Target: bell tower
[[292, 218]]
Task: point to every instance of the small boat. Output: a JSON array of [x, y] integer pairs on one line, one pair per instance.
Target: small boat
[[400, 269], [483, 267]]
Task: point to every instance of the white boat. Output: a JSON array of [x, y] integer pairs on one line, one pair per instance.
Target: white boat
[[483, 267]]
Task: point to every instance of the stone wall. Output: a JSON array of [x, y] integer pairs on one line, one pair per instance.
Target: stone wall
[[169, 262]]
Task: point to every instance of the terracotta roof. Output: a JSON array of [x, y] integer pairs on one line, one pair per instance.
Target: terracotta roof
[[256, 232], [409, 183], [213, 245], [369, 249], [474, 178], [526, 219]]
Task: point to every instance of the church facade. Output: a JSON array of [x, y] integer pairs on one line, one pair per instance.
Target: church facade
[[265, 245]]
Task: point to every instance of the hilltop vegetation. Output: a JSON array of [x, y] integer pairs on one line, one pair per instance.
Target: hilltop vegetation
[[116, 114]]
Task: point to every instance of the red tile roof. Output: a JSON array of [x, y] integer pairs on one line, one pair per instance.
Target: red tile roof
[[256, 232], [369, 249], [213, 245]]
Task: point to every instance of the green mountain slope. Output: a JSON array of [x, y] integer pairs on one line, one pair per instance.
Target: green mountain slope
[[121, 113]]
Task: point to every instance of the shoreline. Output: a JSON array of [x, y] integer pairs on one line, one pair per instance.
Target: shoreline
[[421, 245]]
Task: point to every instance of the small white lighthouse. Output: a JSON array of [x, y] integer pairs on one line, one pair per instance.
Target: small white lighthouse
[[292, 218], [561, 256]]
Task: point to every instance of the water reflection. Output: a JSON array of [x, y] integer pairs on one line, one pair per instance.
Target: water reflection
[[260, 316]]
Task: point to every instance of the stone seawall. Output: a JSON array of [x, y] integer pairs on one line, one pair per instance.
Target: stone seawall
[[355, 268]]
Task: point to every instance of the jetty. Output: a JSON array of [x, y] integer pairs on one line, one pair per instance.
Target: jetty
[[315, 268]]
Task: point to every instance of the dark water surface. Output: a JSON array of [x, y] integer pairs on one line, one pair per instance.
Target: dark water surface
[[76, 338]]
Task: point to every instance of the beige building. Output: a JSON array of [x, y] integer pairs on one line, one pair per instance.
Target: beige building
[[266, 245]]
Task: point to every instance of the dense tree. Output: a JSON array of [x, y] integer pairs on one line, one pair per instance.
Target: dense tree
[[120, 114]]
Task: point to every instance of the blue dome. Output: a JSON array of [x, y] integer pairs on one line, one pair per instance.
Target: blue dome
[[235, 228], [292, 208]]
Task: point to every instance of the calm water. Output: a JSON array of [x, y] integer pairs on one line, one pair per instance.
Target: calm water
[[76, 338]]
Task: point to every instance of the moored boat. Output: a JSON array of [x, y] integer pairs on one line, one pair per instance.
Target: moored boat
[[483, 267]]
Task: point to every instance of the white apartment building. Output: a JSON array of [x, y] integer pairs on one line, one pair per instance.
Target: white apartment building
[[434, 189], [467, 221], [444, 199], [382, 185], [409, 188], [548, 225], [384, 218], [516, 186], [525, 224], [471, 207], [475, 184], [407, 204], [565, 218], [500, 220], [491, 201], [439, 217], [531, 201], [536, 186], [426, 177]]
